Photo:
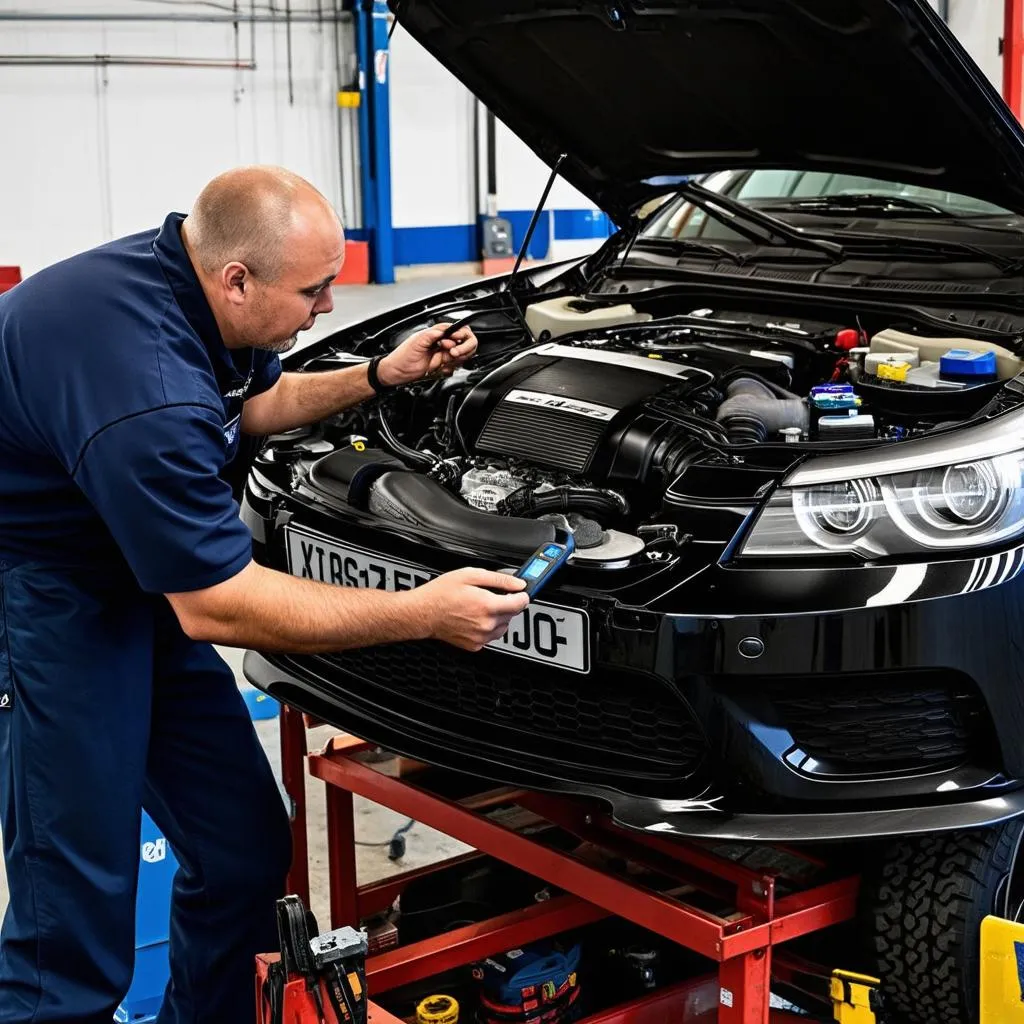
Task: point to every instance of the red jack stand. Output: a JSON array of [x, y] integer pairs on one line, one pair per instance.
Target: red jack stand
[[741, 942]]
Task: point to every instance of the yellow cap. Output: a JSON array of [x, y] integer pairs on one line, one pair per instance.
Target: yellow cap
[[348, 98], [892, 371]]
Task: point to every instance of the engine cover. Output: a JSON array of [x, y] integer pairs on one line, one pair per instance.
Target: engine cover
[[572, 408]]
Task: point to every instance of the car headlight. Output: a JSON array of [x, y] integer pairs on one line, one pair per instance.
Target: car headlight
[[925, 501]]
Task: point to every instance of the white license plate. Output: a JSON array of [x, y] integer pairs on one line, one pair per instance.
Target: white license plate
[[543, 632]]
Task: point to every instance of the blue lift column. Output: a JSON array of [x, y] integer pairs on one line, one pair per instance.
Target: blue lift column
[[373, 56]]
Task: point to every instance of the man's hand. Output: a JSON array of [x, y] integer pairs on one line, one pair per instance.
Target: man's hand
[[458, 609], [427, 354]]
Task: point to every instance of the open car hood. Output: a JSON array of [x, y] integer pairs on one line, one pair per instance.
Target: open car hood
[[633, 91]]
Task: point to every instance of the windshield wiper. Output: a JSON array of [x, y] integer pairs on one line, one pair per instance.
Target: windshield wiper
[[688, 247], [860, 202], [929, 249], [753, 224], [685, 248]]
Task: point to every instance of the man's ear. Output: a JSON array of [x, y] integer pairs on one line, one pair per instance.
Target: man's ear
[[236, 280]]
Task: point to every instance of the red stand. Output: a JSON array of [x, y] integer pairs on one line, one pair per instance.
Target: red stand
[[742, 943], [1013, 55]]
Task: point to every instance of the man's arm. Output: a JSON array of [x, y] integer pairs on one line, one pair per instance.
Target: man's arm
[[298, 399], [272, 611]]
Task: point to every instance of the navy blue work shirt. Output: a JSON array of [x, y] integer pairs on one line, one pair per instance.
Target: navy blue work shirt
[[119, 410]]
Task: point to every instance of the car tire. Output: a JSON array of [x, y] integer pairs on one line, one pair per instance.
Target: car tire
[[923, 904]]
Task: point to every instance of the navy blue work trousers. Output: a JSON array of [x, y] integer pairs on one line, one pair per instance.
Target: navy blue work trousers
[[107, 707]]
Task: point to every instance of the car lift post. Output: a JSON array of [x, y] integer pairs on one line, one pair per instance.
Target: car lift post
[[1013, 55], [741, 943]]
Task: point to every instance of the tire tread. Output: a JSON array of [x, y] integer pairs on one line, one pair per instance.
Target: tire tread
[[927, 900]]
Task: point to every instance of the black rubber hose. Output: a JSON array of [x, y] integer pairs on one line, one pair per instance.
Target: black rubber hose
[[586, 500], [747, 429], [403, 451], [755, 408]]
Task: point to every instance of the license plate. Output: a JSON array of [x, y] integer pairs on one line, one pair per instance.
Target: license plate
[[543, 632]]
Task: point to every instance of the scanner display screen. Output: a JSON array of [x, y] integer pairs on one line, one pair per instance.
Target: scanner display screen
[[535, 569]]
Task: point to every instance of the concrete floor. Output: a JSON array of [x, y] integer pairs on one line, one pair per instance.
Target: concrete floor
[[373, 823]]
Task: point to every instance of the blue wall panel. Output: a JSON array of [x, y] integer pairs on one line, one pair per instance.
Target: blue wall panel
[[459, 243]]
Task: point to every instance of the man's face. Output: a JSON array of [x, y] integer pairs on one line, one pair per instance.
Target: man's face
[[279, 309]]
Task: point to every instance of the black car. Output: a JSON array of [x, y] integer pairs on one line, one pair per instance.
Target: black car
[[781, 410]]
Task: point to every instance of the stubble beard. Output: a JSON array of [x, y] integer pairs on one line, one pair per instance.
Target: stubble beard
[[281, 346], [278, 346]]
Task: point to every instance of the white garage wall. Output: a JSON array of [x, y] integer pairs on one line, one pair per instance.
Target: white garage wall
[[978, 24], [433, 178], [92, 153]]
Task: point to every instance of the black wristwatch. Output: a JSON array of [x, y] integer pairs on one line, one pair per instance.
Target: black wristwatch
[[374, 380]]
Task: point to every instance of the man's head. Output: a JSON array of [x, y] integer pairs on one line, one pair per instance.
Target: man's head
[[266, 246]]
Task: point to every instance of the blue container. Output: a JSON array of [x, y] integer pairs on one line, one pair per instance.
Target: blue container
[[965, 365], [157, 866], [261, 706]]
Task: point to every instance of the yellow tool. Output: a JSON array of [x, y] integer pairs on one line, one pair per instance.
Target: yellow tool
[[854, 997], [1002, 971], [439, 1009]]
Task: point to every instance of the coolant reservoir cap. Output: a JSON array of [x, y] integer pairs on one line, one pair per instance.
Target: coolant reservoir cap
[[962, 362]]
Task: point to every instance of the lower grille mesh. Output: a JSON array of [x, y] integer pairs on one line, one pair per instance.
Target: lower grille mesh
[[882, 725], [513, 703]]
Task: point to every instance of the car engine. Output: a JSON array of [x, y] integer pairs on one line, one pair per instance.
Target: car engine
[[587, 429]]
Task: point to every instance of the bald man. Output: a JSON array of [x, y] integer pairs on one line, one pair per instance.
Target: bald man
[[127, 374]]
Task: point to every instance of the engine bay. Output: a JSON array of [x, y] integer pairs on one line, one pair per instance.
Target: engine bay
[[586, 419]]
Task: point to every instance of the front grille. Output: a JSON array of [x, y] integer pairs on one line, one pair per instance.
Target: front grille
[[609, 721], [882, 725]]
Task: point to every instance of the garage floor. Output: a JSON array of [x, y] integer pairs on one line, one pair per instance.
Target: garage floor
[[373, 823]]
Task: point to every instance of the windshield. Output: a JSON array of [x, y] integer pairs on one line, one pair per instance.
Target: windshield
[[782, 192]]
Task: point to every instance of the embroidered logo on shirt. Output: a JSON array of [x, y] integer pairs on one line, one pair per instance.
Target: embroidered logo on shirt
[[231, 431]]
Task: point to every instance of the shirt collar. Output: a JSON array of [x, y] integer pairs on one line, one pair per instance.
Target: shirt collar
[[188, 292]]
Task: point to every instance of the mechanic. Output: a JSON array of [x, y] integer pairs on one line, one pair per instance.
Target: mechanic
[[126, 375]]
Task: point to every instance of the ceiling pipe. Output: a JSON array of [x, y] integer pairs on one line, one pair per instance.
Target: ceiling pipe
[[109, 60]]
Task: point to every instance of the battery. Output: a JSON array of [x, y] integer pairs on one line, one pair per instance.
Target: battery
[[842, 428]]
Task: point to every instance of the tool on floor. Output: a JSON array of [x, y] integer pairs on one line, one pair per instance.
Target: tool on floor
[[439, 1009], [854, 997], [319, 979]]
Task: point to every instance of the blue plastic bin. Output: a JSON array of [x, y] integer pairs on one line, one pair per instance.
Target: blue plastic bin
[[157, 866]]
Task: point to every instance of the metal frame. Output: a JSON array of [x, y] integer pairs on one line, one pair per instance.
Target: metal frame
[[373, 60], [741, 944]]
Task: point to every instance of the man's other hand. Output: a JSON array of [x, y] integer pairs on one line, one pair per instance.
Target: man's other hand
[[427, 354]]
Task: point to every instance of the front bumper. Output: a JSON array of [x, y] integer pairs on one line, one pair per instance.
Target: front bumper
[[694, 818], [873, 719]]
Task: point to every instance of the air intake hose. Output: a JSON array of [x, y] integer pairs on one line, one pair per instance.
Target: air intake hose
[[755, 409], [586, 500]]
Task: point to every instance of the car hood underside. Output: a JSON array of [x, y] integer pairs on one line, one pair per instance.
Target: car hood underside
[[635, 93]]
